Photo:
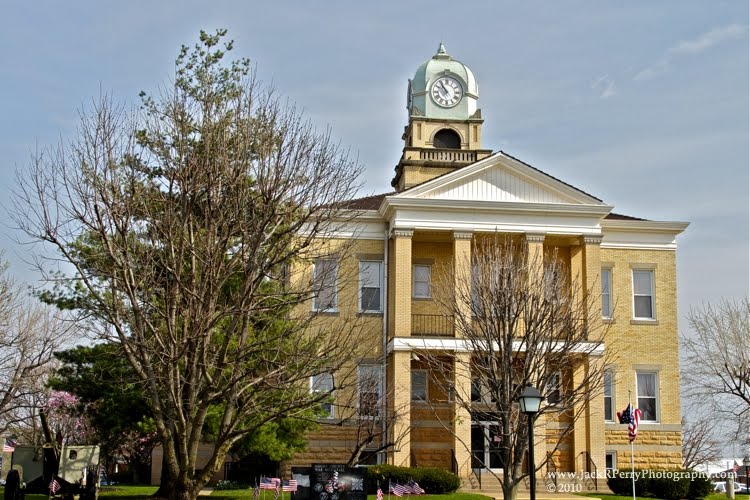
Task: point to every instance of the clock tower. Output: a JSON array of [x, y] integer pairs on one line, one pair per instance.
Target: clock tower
[[445, 125]]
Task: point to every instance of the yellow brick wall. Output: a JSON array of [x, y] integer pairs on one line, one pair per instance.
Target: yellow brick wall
[[645, 346]]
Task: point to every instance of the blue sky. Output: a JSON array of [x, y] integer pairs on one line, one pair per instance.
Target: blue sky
[[643, 104]]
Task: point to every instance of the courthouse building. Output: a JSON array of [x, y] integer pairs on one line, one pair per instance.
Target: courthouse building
[[448, 190]]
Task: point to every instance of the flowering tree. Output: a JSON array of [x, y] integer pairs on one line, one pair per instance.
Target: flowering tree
[[67, 420]]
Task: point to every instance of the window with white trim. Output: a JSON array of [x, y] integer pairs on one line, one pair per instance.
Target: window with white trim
[[421, 281], [609, 396], [606, 293], [553, 397], [647, 388], [419, 385], [643, 294], [325, 284], [369, 385], [610, 460], [371, 286], [323, 384]]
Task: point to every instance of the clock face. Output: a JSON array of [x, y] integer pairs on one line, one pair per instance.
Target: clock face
[[446, 91]]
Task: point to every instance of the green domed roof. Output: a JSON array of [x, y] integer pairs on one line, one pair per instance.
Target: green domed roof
[[439, 65]]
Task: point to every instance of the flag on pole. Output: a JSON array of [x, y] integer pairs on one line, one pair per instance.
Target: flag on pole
[[276, 494], [54, 486], [9, 446], [256, 490], [397, 490], [290, 485], [631, 417], [415, 488], [736, 467], [379, 495], [267, 483]]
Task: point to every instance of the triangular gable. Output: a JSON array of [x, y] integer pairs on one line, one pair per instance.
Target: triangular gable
[[500, 178]]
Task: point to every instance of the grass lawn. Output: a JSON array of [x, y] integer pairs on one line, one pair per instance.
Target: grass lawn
[[242, 494]]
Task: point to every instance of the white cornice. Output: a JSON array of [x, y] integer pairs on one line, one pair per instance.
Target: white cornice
[[392, 203], [641, 235], [461, 345], [645, 226]]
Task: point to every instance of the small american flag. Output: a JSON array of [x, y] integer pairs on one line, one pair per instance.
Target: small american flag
[[276, 494], [9, 446], [736, 467], [379, 495], [397, 490], [267, 483], [256, 490], [415, 488], [290, 485], [54, 486]]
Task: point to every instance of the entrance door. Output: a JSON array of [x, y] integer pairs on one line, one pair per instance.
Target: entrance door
[[485, 445]]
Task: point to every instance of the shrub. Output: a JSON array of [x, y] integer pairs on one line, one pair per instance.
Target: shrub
[[621, 484], [670, 488], [700, 487], [432, 480]]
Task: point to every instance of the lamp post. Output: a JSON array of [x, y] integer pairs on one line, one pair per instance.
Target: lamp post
[[530, 400], [746, 463]]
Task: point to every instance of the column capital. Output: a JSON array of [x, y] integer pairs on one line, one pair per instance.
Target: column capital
[[592, 239], [534, 237], [402, 233], [462, 235]]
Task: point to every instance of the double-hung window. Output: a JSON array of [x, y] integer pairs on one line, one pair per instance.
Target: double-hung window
[[609, 393], [322, 385], [422, 281], [371, 286], [607, 293], [555, 386], [648, 395], [643, 294], [419, 385], [325, 283], [369, 390]]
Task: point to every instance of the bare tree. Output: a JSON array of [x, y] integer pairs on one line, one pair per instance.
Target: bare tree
[[191, 227], [698, 443], [716, 370], [524, 322], [29, 334], [367, 418]]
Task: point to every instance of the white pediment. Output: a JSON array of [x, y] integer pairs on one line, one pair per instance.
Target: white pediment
[[500, 178]]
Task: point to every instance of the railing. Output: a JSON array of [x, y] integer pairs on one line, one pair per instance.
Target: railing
[[551, 469], [448, 155], [454, 463], [432, 325], [478, 476], [589, 467]]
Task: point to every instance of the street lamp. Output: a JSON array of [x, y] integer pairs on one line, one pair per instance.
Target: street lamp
[[530, 400], [746, 463]]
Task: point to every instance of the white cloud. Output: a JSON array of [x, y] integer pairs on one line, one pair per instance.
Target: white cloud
[[694, 46], [605, 86]]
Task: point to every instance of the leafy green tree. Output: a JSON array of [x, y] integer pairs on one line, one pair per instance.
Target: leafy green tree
[[188, 225]]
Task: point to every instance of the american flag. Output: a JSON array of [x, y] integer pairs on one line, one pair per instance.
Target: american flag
[[415, 488], [256, 490], [9, 446], [276, 494], [267, 483], [736, 467], [632, 418], [397, 489], [290, 485], [54, 486], [379, 495]]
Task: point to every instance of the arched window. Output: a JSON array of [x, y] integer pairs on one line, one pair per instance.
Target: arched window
[[447, 139]]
